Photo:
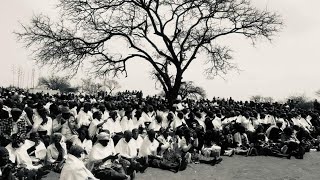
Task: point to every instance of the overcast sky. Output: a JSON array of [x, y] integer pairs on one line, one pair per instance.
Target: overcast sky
[[287, 66]]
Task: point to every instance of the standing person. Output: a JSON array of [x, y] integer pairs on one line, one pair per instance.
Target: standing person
[[74, 168]]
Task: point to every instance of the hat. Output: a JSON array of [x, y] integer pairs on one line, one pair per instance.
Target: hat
[[103, 136], [65, 110]]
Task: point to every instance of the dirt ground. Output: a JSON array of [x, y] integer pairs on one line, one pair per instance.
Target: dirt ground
[[239, 167]]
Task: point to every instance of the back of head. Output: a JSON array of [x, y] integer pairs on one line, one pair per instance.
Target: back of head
[[76, 150]]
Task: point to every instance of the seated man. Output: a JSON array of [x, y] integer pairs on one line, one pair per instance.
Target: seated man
[[128, 152], [149, 150], [74, 168], [241, 140], [102, 159], [137, 139]]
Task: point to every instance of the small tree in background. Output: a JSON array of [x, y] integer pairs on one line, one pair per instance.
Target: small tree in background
[[261, 99], [300, 101], [111, 85], [318, 93], [190, 90], [90, 86], [56, 83]]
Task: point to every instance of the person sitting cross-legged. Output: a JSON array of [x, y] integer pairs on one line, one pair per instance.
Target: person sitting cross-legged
[[128, 152], [103, 160], [74, 168]]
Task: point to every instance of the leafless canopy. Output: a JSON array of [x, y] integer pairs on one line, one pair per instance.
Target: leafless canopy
[[111, 85], [55, 83], [189, 90], [168, 34]]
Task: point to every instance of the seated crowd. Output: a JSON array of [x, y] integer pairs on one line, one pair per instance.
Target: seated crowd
[[115, 137]]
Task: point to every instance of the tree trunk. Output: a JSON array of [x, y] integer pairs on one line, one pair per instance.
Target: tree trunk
[[173, 92]]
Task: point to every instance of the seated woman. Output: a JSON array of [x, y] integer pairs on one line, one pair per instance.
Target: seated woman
[[56, 152]]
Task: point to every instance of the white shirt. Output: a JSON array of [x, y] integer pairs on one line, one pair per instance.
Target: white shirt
[[99, 152], [126, 124], [148, 148], [53, 153], [86, 144], [93, 128], [137, 123], [112, 126], [84, 118], [137, 142], [74, 169], [126, 149]]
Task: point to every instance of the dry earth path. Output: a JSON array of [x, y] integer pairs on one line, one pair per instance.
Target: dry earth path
[[241, 168]]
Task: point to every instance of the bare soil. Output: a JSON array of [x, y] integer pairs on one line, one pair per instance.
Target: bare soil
[[241, 168]]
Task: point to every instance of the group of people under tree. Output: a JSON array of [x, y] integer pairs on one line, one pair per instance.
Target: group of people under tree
[[115, 137]]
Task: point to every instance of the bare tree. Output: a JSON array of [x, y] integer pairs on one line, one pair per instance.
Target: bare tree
[[112, 85], [268, 99], [191, 91], [318, 93], [261, 99], [90, 86], [168, 34], [256, 98], [55, 83], [300, 101]]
